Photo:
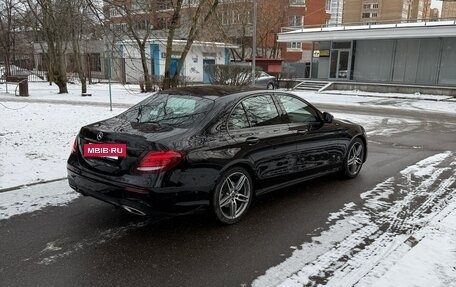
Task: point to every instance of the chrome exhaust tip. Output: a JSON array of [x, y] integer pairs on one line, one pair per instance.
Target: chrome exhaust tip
[[133, 210]]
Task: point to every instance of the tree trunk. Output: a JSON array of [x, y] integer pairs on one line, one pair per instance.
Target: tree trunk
[[169, 45], [194, 31], [62, 87], [79, 65], [147, 80]]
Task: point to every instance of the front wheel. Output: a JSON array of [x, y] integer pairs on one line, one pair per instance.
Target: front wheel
[[232, 196], [354, 159], [270, 86]]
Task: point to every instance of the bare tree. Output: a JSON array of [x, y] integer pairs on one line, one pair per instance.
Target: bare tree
[[137, 18], [234, 19], [81, 22], [52, 24], [198, 14], [271, 17], [8, 22]]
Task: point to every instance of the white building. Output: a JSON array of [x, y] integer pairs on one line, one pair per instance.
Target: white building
[[200, 54]]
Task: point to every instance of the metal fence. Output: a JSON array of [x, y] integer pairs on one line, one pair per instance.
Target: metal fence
[[35, 67], [98, 67]]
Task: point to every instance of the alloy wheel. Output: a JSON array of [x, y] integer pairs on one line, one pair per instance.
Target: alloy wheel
[[235, 195], [355, 158]]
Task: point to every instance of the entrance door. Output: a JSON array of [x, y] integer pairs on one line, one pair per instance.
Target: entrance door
[[173, 66], [340, 64], [206, 62]]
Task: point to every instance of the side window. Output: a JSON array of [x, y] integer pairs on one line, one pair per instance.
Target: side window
[[261, 111], [238, 118], [297, 110]]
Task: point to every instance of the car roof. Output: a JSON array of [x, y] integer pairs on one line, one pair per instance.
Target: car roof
[[209, 90]]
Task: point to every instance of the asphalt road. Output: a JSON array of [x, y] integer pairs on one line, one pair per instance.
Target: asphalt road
[[90, 243]]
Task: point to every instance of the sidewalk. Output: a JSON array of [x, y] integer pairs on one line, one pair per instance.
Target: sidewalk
[[123, 96]]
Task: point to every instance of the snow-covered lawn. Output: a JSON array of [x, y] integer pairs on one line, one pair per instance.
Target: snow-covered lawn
[[125, 94], [36, 139]]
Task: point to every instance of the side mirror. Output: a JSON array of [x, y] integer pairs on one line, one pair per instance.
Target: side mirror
[[327, 117]]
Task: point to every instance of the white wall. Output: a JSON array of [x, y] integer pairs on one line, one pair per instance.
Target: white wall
[[193, 66]]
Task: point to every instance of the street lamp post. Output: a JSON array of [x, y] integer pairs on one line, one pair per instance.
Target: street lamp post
[[254, 41]]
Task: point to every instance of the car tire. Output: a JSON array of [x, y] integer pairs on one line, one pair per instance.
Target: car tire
[[354, 159], [270, 86], [232, 196]]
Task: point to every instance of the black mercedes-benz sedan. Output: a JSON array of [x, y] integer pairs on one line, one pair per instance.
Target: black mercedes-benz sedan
[[209, 146]]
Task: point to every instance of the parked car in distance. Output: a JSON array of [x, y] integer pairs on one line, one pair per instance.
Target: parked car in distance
[[266, 81], [263, 81], [215, 147]]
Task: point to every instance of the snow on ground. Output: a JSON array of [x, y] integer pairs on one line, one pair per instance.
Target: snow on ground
[[33, 198], [380, 126], [385, 101], [388, 95], [374, 243], [36, 139], [125, 94], [437, 249]]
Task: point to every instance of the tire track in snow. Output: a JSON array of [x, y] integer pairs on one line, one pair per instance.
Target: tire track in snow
[[359, 239]]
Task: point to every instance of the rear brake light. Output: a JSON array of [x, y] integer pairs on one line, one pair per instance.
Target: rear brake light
[[75, 145], [159, 160]]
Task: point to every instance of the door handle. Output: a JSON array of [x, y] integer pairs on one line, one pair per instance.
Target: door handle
[[252, 140], [302, 131]]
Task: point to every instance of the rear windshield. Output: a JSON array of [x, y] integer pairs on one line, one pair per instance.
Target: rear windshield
[[173, 110]]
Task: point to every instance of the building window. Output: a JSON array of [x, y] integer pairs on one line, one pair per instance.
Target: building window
[[164, 5], [142, 25], [294, 45], [328, 5], [119, 27], [226, 17], [297, 2], [370, 6], [164, 23], [139, 6], [296, 21], [113, 12], [369, 15], [191, 3]]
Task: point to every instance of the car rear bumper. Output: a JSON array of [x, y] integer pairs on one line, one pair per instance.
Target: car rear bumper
[[139, 199]]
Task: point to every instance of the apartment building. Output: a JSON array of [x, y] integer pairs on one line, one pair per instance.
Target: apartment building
[[336, 10], [233, 23], [381, 11]]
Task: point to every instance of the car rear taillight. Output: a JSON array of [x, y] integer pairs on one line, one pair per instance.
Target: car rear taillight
[[75, 145], [159, 161]]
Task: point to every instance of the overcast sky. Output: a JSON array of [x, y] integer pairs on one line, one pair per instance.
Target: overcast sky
[[437, 4]]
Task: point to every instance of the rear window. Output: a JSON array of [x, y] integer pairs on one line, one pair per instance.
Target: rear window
[[173, 110]]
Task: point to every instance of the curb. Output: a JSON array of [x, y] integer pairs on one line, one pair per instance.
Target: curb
[[31, 184], [448, 99]]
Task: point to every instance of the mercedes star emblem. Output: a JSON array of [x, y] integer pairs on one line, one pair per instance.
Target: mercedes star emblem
[[99, 136]]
